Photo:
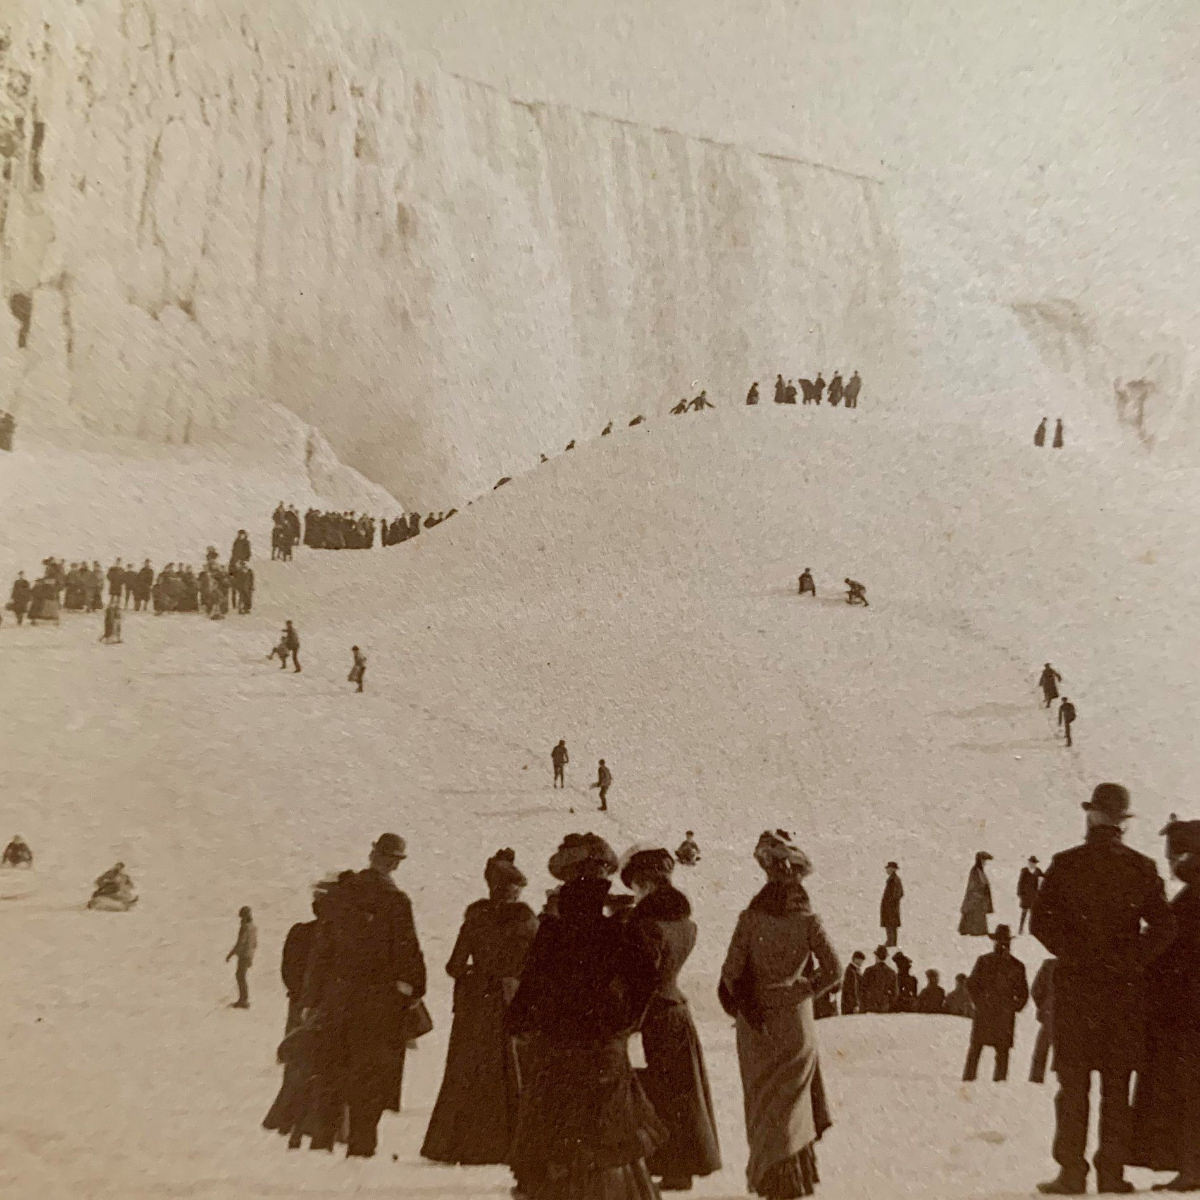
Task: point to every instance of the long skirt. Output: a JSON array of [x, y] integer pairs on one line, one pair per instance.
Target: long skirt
[[676, 1084], [584, 1126], [786, 1110], [476, 1110], [974, 922], [1166, 1103]]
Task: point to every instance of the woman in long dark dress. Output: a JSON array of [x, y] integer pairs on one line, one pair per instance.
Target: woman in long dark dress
[[977, 900], [674, 1079], [1166, 1103], [476, 1110], [763, 985], [584, 1125]]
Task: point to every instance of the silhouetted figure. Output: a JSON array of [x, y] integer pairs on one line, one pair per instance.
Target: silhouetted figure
[[851, 391], [112, 622], [1102, 912], [241, 549], [1028, 883], [779, 389], [807, 393], [807, 586], [543, 459], [291, 645], [701, 402], [835, 389], [852, 985], [879, 987], [498, 484], [680, 408], [958, 1002], [1000, 990], [603, 782], [977, 900], [1066, 718], [1058, 434], [889, 906], [20, 596], [752, 394], [8, 425], [17, 853], [606, 430], [818, 388], [789, 393], [244, 950], [1048, 681], [1039, 436], [1166, 1100], [570, 445], [113, 891], [559, 759], [636, 421], [856, 593], [358, 669], [906, 984], [1042, 992], [688, 854], [932, 998]]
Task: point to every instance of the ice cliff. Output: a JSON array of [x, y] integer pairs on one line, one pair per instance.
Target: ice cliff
[[207, 207]]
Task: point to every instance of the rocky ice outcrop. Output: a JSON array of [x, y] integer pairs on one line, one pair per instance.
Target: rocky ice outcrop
[[205, 207]]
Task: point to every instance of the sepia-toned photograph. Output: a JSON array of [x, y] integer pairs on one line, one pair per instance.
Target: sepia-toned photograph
[[599, 599]]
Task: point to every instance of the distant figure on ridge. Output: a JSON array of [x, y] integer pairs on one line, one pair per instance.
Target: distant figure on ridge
[[779, 389], [702, 402], [1028, 883], [1058, 434], [835, 389], [17, 853], [498, 484], [679, 408], [570, 445], [856, 593], [559, 759], [807, 586], [850, 394], [1066, 718], [1000, 990], [1048, 682], [752, 394], [879, 987], [931, 1000], [359, 668], [243, 950], [789, 393], [818, 387], [603, 782], [889, 906], [688, 854], [636, 420], [606, 430], [977, 901], [1039, 436]]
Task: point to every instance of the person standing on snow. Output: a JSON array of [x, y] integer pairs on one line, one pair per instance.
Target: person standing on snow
[[358, 670], [856, 593], [291, 645], [1027, 889], [752, 394], [852, 983], [807, 586], [1039, 436], [1042, 992], [999, 990], [1066, 718], [603, 782], [243, 950], [1058, 434], [932, 998], [1048, 681], [889, 906], [977, 900], [853, 387], [879, 986], [558, 760], [19, 598]]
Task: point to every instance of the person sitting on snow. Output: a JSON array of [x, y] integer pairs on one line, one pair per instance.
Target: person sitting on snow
[[688, 854], [17, 853], [114, 890], [856, 593], [807, 586]]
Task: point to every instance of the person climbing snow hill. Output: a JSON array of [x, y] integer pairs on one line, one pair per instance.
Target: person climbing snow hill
[[1066, 718], [856, 593], [1048, 682], [603, 782]]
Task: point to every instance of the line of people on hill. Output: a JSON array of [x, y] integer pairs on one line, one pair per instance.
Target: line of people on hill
[[813, 391], [1039, 434], [1048, 681], [338, 530]]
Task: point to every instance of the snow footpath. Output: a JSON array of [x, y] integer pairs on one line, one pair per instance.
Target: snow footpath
[[637, 597]]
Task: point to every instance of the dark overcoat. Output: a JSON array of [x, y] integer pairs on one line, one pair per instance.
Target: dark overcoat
[[1102, 912], [999, 989], [889, 906]]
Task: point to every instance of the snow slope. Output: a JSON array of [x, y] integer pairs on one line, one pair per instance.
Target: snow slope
[[637, 597]]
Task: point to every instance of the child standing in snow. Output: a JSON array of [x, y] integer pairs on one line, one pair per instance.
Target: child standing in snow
[[243, 950]]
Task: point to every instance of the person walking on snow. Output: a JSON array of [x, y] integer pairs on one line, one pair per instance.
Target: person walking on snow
[[889, 906], [807, 586], [559, 759], [1058, 434], [359, 669], [856, 593], [1028, 883], [999, 989], [603, 782], [1048, 681], [243, 950], [291, 645], [1039, 437], [1066, 718]]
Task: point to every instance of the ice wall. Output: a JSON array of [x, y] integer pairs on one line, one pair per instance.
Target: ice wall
[[209, 205]]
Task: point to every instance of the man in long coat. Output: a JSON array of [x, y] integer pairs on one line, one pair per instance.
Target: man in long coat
[[879, 986], [1102, 912], [999, 990], [1028, 883], [852, 985], [889, 906], [22, 591], [366, 971]]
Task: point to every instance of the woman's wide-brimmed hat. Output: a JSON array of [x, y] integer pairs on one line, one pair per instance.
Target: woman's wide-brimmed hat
[[580, 852], [645, 858], [777, 846]]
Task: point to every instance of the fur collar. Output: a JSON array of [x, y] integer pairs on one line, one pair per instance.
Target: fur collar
[[663, 904], [781, 899]]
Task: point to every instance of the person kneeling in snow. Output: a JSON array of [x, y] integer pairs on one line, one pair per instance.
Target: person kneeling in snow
[[856, 593], [114, 891]]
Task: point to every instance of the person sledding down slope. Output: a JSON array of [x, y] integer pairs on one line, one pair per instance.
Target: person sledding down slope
[[114, 891]]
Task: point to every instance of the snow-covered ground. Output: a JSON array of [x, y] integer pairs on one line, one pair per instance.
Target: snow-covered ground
[[636, 596]]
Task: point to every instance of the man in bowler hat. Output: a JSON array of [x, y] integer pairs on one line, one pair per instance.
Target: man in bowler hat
[[999, 990], [889, 906], [1102, 912], [1028, 883]]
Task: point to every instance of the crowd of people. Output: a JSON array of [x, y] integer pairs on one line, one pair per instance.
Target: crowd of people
[[812, 391]]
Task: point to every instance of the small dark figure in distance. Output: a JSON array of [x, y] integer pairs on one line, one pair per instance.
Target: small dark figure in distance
[[1066, 718], [852, 982], [856, 593], [636, 420], [1102, 912], [570, 445], [559, 759], [835, 389], [850, 393], [932, 998], [976, 905], [1039, 435], [1000, 990], [541, 459], [702, 402], [680, 408], [17, 853], [1048, 681], [818, 387], [113, 891], [807, 586], [959, 1003], [291, 645], [789, 393], [606, 430], [1058, 434], [889, 906], [906, 984], [243, 950], [688, 854], [1028, 883], [501, 482], [603, 782], [112, 622], [359, 669], [779, 389], [1042, 992], [879, 987], [752, 394], [19, 597]]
